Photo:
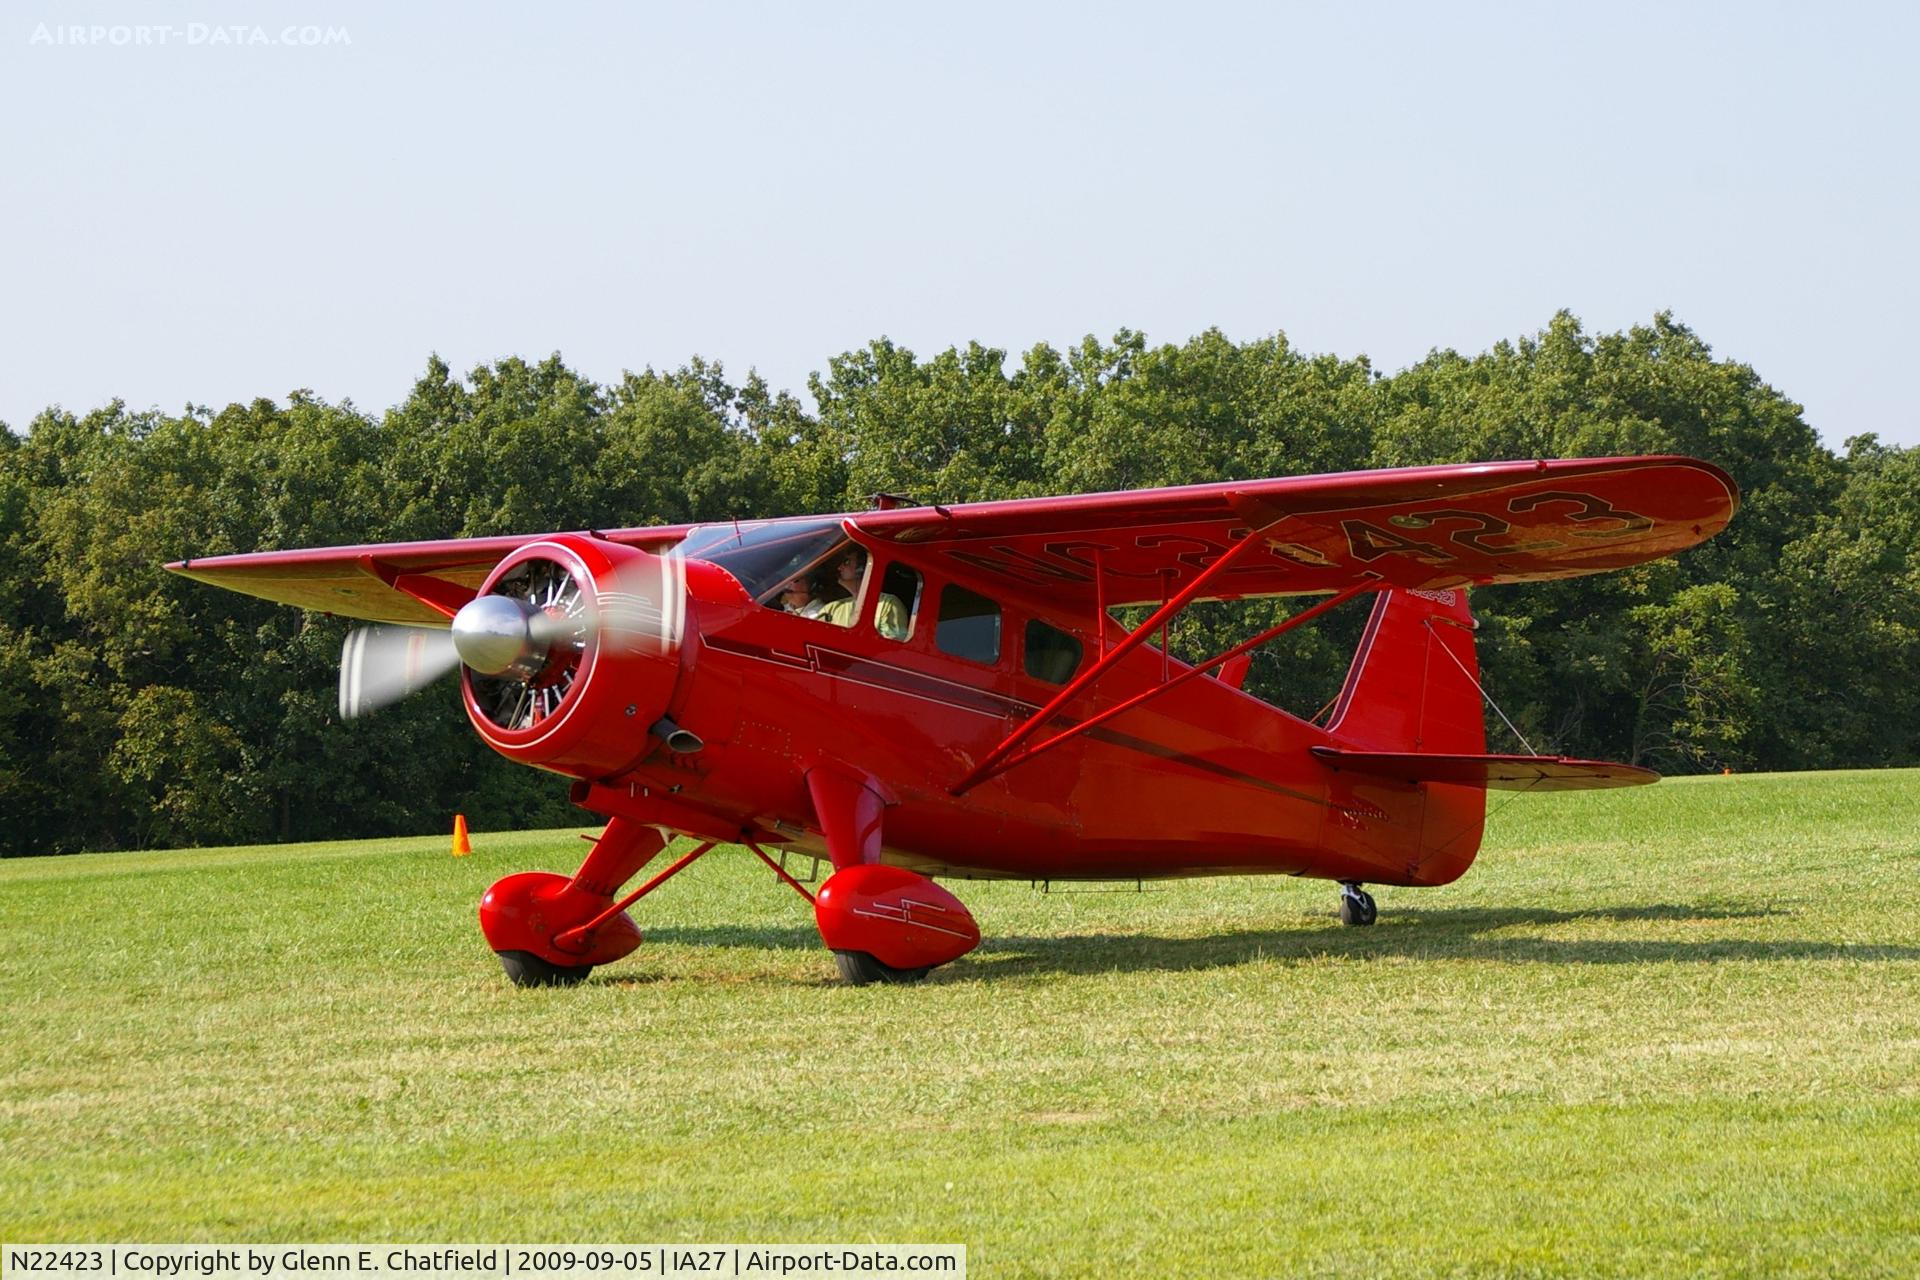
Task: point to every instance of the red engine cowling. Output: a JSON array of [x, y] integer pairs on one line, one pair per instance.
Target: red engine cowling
[[613, 617]]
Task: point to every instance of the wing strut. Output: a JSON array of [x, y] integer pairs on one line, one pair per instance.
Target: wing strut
[[1245, 646], [995, 760], [439, 595]]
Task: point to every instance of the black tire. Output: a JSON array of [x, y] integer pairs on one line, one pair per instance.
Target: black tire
[[1357, 908], [861, 970], [529, 970]]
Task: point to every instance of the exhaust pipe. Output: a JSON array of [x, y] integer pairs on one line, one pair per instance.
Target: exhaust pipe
[[679, 741]]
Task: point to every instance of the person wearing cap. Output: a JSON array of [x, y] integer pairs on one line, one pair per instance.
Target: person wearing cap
[[798, 596]]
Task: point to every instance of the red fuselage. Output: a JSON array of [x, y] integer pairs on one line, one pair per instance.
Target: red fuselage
[[1205, 779]]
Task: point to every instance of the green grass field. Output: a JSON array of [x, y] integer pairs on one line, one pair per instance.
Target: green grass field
[[1669, 1031]]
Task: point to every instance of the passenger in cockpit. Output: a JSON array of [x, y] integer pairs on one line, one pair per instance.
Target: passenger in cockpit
[[798, 596]]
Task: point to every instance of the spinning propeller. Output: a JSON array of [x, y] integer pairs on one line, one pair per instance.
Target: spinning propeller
[[525, 639]]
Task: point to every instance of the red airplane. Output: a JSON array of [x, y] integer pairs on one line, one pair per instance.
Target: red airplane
[[912, 692]]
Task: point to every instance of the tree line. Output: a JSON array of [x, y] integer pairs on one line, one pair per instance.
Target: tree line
[[138, 709]]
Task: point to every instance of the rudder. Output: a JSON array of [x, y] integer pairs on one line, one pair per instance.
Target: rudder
[[1414, 687]]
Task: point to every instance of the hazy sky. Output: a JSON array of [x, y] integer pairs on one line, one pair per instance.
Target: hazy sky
[[189, 215]]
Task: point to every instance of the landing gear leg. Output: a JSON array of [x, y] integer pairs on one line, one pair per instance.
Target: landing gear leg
[[882, 923], [1356, 904]]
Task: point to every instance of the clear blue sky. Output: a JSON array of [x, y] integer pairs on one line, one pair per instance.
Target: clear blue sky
[[207, 220]]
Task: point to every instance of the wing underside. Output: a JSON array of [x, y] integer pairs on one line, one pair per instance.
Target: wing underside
[[422, 583]]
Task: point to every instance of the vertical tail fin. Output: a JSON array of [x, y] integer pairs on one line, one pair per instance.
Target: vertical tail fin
[[1414, 685]]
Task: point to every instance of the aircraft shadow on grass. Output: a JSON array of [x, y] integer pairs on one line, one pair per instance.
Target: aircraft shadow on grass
[[1468, 933]]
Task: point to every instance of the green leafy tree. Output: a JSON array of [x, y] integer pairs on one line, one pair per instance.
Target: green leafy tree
[[1843, 623], [1695, 702], [144, 709]]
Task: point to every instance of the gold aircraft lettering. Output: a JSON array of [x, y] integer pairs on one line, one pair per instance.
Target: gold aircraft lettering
[[1483, 526], [1369, 542], [1591, 508]]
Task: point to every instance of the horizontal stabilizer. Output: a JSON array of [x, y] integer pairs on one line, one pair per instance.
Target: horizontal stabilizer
[[1507, 773]]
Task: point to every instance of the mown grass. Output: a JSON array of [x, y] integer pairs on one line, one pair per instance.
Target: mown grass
[[1669, 1031]]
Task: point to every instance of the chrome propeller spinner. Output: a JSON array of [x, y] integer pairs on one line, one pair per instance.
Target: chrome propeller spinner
[[523, 641]]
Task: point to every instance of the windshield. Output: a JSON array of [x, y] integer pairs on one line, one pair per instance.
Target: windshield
[[764, 557]]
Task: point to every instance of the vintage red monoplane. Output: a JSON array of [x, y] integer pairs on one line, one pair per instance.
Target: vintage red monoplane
[[912, 692]]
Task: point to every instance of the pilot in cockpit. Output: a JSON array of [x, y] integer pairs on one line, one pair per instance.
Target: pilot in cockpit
[[889, 614]]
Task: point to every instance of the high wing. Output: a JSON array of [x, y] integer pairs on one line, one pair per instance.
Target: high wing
[[423, 583], [1417, 527]]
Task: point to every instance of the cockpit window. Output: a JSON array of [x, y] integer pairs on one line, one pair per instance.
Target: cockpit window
[[1052, 654], [969, 625], [763, 558]]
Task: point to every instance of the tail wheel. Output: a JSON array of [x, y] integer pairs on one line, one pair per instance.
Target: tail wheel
[[862, 970], [1356, 906]]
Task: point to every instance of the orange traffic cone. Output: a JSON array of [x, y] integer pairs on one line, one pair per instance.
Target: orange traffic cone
[[461, 845]]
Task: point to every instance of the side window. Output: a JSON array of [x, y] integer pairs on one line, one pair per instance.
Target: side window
[[899, 605], [1052, 654], [969, 625]]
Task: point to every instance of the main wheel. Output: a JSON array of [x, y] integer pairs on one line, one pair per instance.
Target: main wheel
[[861, 969], [1357, 907], [529, 970]]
